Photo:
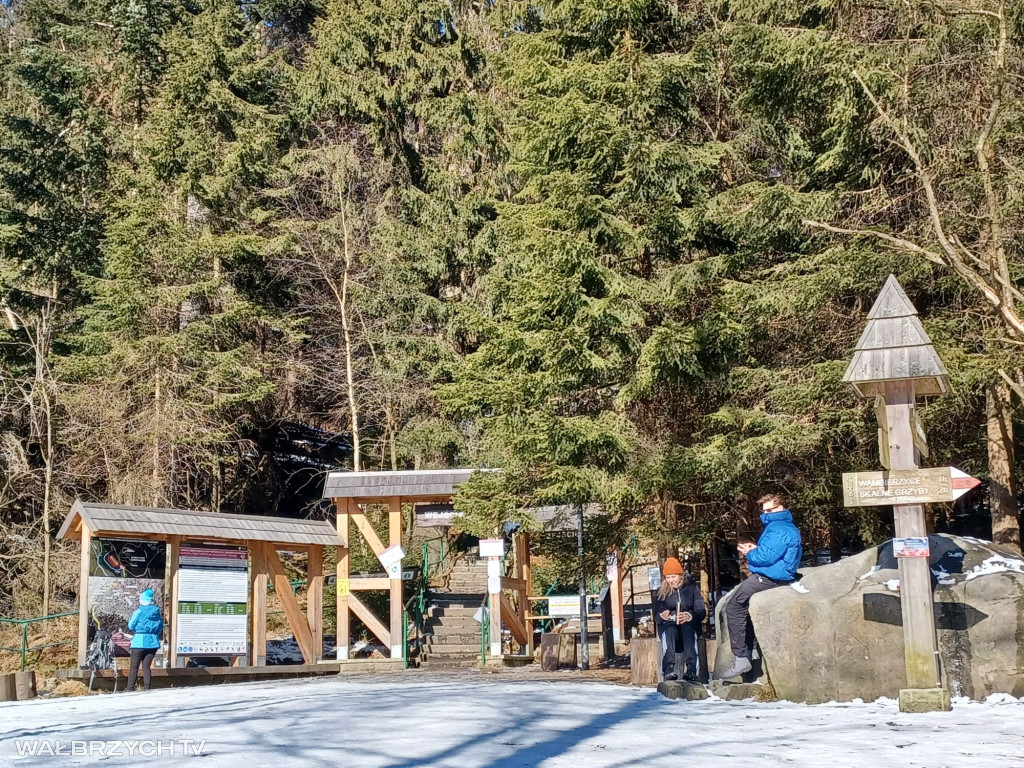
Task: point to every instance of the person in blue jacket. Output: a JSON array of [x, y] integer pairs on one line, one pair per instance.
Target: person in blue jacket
[[773, 562], [148, 626]]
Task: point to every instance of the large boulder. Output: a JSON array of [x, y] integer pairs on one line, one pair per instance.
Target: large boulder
[[837, 634]]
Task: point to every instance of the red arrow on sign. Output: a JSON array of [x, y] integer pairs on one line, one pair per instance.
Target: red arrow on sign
[[961, 482]]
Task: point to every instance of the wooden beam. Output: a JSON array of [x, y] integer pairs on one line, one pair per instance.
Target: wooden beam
[[375, 625], [527, 573], [368, 583], [396, 602], [519, 585], [83, 596], [283, 588], [511, 617], [315, 598], [173, 555], [258, 588], [343, 628], [368, 533]]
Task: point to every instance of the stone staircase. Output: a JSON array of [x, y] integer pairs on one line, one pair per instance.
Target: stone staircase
[[452, 635]]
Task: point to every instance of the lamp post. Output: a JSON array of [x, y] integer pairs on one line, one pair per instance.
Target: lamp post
[[584, 635]]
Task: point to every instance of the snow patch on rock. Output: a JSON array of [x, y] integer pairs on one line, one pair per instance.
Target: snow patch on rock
[[996, 564]]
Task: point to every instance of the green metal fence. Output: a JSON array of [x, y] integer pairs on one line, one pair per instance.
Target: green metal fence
[[25, 649]]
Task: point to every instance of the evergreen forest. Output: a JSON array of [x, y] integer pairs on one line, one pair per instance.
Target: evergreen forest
[[620, 249]]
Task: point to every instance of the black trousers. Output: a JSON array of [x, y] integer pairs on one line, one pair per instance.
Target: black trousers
[[737, 613], [679, 638], [143, 657]]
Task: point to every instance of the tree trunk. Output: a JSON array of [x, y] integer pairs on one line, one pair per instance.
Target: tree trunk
[[345, 325], [156, 438], [1002, 488]]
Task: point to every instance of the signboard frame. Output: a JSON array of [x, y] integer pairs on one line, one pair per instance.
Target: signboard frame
[[207, 570], [898, 486]]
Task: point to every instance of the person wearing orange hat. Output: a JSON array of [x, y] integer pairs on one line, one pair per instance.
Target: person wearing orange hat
[[679, 610]]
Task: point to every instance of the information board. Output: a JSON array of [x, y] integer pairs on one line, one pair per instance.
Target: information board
[[213, 596], [119, 571]]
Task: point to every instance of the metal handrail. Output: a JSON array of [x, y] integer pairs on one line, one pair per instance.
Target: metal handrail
[[485, 632], [24, 649], [632, 591]]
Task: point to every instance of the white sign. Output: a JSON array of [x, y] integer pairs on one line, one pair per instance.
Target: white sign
[[564, 605], [653, 577], [493, 584], [494, 568], [213, 595], [492, 547], [391, 559]]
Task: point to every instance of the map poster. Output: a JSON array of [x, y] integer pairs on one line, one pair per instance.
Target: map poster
[[213, 595], [120, 570]]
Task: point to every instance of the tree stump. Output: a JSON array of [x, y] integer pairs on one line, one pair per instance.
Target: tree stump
[[549, 652], [567, 651], [8, 687], [25, 684], [645, 660]]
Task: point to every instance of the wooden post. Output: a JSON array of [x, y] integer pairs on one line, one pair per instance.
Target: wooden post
[[83, 597], [525, 607], [258, 578], [494, 606], [895, 357], [25, 683], [315, 598], [615, 587], [173, 556], [395, 537], [549, 652], [344, 631], [645, 660], [920, 646], [8, 687]]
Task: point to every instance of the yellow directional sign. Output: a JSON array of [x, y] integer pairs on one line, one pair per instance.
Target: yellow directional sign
[[900, 486]]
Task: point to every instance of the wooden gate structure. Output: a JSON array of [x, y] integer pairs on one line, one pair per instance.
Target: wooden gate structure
[[351, 492], [509, 578]]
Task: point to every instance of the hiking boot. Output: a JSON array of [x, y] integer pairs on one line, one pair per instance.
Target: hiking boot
[[739, 666], [671, 676], [690, 677]]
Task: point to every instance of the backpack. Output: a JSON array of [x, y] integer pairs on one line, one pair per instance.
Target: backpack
[[101, 655]]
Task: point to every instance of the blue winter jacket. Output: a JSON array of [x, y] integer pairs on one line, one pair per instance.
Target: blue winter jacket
[[778, 551], [148, 626]]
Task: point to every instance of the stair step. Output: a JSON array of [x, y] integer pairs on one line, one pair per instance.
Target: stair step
[[451, 664], [453, 649], [452, 623], [450, 657], [453, 641]]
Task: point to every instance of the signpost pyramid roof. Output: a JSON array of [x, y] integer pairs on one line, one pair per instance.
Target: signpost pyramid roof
[[895, 347]]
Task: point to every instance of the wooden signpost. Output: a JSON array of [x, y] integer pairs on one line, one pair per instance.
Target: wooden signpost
[[894, 361], [906, 486]]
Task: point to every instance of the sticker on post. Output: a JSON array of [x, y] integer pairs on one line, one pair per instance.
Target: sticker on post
[[494, 568], [911, 547]]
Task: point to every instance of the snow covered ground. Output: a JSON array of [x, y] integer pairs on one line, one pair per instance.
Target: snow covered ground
[[402, 722]]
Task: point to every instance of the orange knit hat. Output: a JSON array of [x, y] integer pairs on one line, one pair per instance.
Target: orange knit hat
[[672, 566]]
